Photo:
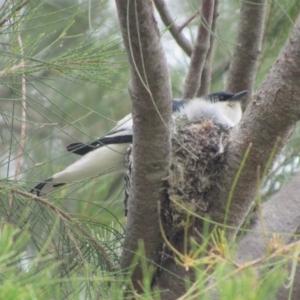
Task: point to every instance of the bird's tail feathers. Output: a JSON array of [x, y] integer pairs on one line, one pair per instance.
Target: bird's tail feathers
[[45, 187], [56, 181]]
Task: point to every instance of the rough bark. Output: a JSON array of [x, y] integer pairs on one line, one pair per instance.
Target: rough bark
[[192, 82], [266, 125], [150, 92], [244, 64], [174, 278]]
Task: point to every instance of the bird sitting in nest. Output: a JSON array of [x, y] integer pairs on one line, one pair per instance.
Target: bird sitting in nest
[[107, 155]]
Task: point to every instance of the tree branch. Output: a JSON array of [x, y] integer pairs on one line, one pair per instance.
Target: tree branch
[[192, 82], [65, 217], [243, 67], [150, 91], [266, 124], [178, 36], [23, 126], [12, 11], [189, 20], [206, 73]]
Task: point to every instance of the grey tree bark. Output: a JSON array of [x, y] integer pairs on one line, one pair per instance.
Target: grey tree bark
[[243, 67], [207, 69], [201, 47], [150, 92]]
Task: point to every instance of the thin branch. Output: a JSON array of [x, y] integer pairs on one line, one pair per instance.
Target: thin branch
[[189, 20], [43, 201], [14, 10], [244, 65], [12, 70], [207, 69], [64, 217], [192, 82], [23, 122], [168, 20]]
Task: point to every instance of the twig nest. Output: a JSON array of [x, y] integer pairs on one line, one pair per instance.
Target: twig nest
[[198, 155]]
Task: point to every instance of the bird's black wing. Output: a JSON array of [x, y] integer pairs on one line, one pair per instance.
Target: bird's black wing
[[82, 148]]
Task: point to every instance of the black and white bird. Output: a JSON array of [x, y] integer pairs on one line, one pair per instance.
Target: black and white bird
[[107, 154]]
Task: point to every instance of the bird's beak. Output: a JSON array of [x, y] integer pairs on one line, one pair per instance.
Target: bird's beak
[[239, 96]]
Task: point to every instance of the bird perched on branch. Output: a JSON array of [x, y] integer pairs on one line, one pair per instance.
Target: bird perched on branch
[[106, 155]]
